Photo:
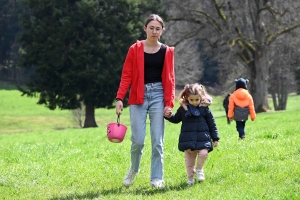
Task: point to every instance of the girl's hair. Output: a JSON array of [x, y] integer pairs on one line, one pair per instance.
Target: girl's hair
[[192, 89], [155, 17]]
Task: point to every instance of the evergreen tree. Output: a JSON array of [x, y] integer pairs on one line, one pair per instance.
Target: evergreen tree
[[76, 49]]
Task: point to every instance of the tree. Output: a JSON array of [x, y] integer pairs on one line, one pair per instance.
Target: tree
[[6, 33], [76, 49], [242, 30], [9, 26], [297, 77], [282, 58]]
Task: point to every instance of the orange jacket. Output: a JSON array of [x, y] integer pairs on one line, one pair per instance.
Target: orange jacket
[[241, 98], [133, 76]]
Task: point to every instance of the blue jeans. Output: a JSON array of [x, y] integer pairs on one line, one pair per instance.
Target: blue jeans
[[240, 127], [154, 106]]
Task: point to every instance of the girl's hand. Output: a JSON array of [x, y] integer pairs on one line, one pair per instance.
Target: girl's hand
[[119, 107], [216, 143]]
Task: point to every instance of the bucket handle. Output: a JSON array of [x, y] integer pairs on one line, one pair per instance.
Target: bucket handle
[[118, 120]]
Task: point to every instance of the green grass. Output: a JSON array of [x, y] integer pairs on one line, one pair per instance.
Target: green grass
[[43, 155]]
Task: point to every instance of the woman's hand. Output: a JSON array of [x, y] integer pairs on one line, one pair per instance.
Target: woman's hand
[[119, 107]]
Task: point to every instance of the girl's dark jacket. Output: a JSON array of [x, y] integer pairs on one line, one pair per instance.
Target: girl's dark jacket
[[198, 128]]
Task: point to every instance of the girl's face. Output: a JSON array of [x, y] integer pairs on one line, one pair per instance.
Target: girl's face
[[153, 30], [194, 100]]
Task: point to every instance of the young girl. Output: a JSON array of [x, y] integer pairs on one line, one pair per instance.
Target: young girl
[[241, 106], [199, 133]]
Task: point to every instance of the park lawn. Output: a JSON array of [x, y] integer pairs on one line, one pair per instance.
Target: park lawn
[[44, 155]]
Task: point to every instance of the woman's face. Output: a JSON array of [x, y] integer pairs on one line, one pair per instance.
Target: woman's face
[[194, 100], [153, 30]]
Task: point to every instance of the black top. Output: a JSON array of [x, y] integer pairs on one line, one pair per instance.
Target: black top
[[154, 63]]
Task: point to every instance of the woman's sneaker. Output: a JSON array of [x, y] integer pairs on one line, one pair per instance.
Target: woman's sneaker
[[128, 180], [157, 184], [200, 174]]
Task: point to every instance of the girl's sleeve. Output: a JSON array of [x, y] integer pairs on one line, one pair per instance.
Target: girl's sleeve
[[251, 108], [211, 123], [177, 117], [231, 107]]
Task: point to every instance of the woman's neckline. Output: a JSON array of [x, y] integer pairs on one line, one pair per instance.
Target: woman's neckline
[[152, 50]]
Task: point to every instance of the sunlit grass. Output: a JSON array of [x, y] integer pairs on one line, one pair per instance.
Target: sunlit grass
[[43, 155]]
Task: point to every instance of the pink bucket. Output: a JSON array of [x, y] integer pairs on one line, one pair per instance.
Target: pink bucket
[[116, 131]]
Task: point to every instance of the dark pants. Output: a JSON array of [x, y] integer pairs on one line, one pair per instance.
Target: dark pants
[[240, 127]]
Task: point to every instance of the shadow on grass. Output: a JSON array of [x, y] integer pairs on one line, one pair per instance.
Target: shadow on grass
[[147, 191]]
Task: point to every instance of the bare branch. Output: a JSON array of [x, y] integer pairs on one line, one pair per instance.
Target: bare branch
[[187, 36], [220, 11], [272, 10], [278, 33], [196, 17]]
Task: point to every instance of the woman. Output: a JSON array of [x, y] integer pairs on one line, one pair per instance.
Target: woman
[[149, 73]]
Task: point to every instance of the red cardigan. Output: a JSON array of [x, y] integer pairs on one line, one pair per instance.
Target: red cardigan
[[133, 76]]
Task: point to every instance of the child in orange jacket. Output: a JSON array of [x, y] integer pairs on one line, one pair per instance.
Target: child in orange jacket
[[240, 106]]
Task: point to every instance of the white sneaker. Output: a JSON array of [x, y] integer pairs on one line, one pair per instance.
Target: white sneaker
[[200, 174], [157, 184], [191, 182], [128, 180]]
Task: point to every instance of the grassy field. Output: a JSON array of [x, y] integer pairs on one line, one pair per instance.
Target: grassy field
[[44, 155]]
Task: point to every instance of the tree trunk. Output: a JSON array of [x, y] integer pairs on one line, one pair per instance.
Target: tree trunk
[[280, 95], [259, 84], [260, 69], [279, 101], [89, 117]]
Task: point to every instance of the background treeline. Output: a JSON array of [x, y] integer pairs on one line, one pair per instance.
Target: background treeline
[[70, 52], [256, 39]]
